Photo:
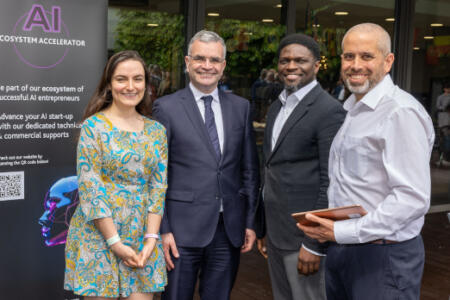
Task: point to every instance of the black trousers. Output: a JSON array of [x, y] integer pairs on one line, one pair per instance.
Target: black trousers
[[215, 266], [375, 271]]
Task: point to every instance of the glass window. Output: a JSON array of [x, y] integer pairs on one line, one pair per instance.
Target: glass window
[[431, 84], [156, 31], [251, 31], [327, 22]]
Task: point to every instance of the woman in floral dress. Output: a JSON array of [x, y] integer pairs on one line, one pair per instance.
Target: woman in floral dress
[[113, 248]]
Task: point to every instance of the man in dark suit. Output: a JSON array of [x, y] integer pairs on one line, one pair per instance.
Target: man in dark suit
[[213, 177], [299, 130]]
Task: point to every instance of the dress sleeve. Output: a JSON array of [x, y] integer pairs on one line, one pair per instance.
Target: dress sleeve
[[94, 200], [158, 178]]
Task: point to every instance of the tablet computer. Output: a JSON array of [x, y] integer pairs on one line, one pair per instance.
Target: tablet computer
[[335, 214]]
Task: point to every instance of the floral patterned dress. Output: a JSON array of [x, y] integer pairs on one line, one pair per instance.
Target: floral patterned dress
[[121, 175]]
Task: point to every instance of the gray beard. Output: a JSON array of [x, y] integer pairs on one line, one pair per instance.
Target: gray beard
[[360, 89], [290, 89]]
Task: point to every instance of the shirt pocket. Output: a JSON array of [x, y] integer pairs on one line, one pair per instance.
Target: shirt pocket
[[354, 157]]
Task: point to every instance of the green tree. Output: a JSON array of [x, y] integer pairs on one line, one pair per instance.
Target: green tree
[[161, 45], [251, 46]]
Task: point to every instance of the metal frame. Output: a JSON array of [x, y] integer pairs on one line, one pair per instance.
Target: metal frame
[[288, 10], [403, 43]]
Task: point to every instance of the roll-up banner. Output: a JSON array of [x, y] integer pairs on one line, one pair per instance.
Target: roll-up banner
[[52, 54]]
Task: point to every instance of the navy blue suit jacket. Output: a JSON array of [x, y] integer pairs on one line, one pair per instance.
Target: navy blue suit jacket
[[197, 181]]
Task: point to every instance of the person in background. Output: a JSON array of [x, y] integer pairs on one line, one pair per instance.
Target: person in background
[[301, 125], [113, 247], [442, 101], [257, 101], [213, 177], [380, 159], [164, 86], [339, 91], [224, 84], [155, 79]]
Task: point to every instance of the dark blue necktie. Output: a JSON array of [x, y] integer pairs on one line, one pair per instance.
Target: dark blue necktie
[[211, 125]]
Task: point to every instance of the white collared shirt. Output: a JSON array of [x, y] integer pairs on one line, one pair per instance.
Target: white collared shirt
[[380, 160], [288, 104], [215, 105]]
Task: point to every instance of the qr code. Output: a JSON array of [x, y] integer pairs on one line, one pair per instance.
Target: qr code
[[12, 186]]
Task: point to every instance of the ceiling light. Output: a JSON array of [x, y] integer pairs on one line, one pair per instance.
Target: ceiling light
[[278, 6], [267, 20], [436, 24], [416, 48], [213, 14], [152, 25], [316, 25], [428, 37], [341, 13], [389, 19]]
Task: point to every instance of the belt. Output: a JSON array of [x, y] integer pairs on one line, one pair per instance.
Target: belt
[[383, 242], [375, 242]]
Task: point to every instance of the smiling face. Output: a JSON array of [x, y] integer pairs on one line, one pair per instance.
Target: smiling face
[[205, 65], [363, 63], [128, 84], [297, 67]]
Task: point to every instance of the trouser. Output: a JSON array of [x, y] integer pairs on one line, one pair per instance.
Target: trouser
[[287, 283], [375, 271], [215, 266]]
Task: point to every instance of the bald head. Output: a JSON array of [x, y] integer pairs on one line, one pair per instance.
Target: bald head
[[366, 58], [382, 37]]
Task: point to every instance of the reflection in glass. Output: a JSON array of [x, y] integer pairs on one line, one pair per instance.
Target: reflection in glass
[[327, 22], [430, 77], [251, 43], [252, 32], [158, 37]]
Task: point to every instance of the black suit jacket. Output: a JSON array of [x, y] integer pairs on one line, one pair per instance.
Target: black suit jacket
[[197, 181], [296, 171]]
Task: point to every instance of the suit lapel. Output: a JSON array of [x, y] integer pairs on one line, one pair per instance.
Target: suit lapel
[[193, 113], [299, 112], [227, 116], [270, 120]]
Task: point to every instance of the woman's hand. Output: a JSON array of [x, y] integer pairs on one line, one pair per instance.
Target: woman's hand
[[126, 253], [146, 251]]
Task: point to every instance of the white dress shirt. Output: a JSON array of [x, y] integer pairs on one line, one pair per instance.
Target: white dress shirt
[[288, 104], [217, 110], [380, 160]]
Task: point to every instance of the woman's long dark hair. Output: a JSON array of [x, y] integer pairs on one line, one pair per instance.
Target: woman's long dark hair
[[102, 97]]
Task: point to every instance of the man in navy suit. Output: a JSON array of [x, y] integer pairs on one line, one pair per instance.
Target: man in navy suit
[[213, 177]]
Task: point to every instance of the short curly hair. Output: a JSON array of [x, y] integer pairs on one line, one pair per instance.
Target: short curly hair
[[300, 39]]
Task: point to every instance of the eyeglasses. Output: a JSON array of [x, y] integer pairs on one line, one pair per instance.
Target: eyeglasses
[[198, 59]]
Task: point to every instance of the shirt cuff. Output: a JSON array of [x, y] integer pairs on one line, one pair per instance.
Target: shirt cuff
[[345, 231], [313, 252]]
